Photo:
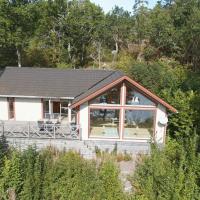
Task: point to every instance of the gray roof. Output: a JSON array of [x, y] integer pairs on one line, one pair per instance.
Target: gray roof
[[52, 82], [104, 82]]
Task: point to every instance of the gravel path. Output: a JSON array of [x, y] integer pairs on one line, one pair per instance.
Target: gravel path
[[126, 169]]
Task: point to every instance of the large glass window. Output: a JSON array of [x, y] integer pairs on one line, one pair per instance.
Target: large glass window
[[135, 98], [104, 123], [110, 97], [138, 124]]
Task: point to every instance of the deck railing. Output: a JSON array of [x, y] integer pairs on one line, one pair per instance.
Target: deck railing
[[52, 115], [38, 130]]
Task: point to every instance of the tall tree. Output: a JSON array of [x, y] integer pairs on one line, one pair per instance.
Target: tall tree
[[18, 19], [140, 14], [119, 31]]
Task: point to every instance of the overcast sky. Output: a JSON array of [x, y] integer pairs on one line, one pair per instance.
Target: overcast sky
[[107, 5]]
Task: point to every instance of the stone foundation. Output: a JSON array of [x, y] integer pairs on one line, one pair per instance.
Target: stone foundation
[[86, 148]]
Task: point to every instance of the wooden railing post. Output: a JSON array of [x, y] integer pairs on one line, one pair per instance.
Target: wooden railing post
[[54, 131], [28, 129], [79, 132]]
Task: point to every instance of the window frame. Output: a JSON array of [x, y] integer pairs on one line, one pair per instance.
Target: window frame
[[122, 107], [140, 92], [98, 104], [154, 110], [108, 108]]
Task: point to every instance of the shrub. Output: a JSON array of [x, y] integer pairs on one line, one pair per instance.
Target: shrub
[[74, 178], [109, 177], [171, 173], [11, 176], [123, 157], [4, 149]]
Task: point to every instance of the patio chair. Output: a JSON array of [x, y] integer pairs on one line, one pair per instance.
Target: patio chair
[[49, 126], [41, 125]]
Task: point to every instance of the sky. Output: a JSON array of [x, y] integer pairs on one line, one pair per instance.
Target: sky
[[107, 5]]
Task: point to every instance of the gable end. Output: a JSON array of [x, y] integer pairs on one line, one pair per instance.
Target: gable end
[[139, 87]]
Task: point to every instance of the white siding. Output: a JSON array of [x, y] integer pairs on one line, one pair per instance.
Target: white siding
[[160, 129], [3, 108], [84, 120], [28, 109]]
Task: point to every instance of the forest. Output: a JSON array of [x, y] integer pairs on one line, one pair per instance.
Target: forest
[[159, 48]]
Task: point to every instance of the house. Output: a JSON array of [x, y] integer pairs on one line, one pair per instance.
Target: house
[[106, 105]]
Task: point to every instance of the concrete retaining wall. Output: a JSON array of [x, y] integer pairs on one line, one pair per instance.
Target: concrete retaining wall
[[86, 148]]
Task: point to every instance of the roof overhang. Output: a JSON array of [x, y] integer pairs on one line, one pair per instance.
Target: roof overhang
[[139, 87], [37, 97]]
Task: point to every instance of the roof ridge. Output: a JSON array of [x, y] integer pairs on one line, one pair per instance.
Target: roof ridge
[[64, 69]]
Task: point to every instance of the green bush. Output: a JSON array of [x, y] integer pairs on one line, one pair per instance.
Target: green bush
[[50, 174], [4, 150], [74, 178], [112, 187], [171, 173], [11, 176]]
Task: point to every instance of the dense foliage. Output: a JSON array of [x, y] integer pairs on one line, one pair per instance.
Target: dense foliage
[[50, 174], [169, 174], [73, 33]]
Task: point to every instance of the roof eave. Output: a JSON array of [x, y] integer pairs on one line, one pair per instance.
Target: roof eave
[[117, 81], [37, 97]]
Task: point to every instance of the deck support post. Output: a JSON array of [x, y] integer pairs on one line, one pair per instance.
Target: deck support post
[[69, 113], [54, 132], [50, 108]]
